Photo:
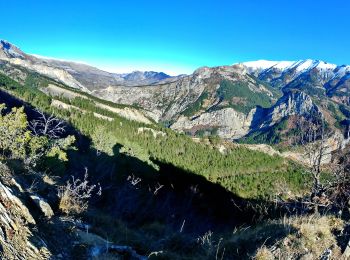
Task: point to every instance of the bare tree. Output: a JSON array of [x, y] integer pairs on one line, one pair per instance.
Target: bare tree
[[313, 136], [47, 125]]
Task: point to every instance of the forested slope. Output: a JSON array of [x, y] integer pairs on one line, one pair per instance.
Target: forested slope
[[245, 172]]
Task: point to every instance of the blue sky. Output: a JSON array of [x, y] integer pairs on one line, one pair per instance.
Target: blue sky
[[178, 36]]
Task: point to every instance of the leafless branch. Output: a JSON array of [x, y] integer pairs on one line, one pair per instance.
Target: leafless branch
[[133, 180], [157, 188], [47, 125]]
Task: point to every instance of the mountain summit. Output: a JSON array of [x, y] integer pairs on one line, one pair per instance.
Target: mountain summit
[[8, 50]]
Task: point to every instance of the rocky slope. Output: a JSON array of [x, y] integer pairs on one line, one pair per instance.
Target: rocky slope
[[30, 229], [17, 238], [291, 103], [15, 233]]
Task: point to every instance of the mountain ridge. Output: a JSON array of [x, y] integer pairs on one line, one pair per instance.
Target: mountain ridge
[[222, 100]]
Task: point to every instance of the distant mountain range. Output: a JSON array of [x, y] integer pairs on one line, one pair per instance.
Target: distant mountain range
[[253, 101], [77, 75]]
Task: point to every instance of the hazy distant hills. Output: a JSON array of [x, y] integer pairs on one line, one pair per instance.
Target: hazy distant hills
[[87, 77], [254, 101]]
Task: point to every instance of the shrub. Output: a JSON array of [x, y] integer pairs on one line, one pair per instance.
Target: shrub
[[75, 195]]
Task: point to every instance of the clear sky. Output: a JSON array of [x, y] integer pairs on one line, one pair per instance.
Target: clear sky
[[178, 36]]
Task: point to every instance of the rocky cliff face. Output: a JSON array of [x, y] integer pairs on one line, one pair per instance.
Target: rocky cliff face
[[226, 123], [229, 123], [291, 103]]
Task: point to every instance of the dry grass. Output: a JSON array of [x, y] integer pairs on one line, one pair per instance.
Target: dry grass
[[264, 253], [312, 237], [298, 237]]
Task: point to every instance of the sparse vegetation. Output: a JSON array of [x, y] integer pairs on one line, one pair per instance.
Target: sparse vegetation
[[308, 237]]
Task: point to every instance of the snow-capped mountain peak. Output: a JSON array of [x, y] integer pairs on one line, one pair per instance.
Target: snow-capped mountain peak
[[299, 66], [296, 73]]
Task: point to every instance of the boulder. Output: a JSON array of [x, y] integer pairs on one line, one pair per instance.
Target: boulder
[[42, 205]]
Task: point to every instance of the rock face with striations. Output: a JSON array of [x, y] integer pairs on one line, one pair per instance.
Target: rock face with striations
[[165, 101], [232, 124]]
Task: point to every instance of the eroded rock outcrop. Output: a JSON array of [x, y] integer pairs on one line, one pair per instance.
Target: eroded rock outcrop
[[17, 240]]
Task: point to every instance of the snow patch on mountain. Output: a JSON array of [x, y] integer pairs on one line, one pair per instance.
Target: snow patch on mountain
[[299, 66], [260, 64], [282, 65], [326, 66], [303, 65]]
